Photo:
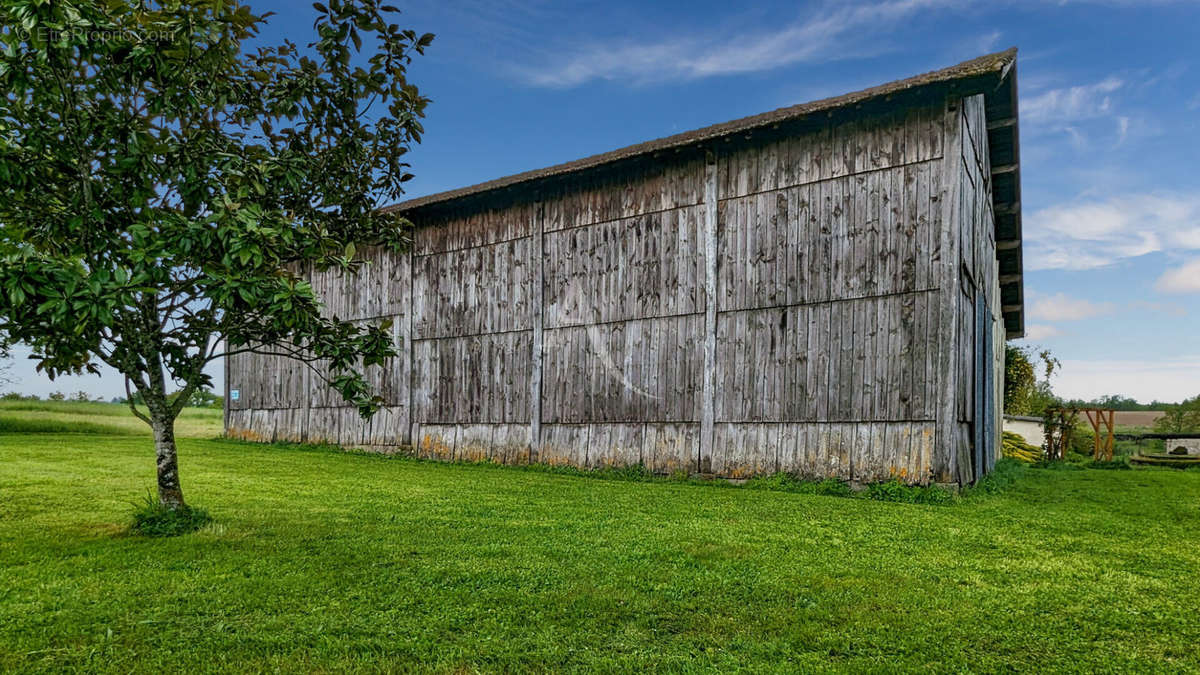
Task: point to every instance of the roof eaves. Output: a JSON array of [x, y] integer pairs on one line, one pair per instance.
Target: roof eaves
[[997, 64]]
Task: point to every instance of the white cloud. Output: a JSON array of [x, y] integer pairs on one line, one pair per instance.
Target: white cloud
[[1058, 106], [1182, 279], [842, 31], [1062, 307], [1041, 331], [1169, 308], [1095, 232], [1165, 380]]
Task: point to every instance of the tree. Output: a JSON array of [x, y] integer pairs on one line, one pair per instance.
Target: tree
[[165, 189], [1024, 392], [1020, 380], [1180, 418]]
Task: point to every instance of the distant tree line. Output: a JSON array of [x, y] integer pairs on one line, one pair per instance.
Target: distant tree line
[[201, 398], [53, 396], [1118, 402]]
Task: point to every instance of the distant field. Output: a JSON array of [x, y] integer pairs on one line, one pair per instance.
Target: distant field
[[37, 417], [1136, 418]]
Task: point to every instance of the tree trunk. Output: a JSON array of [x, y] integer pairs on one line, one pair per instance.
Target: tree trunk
[[170, 494]]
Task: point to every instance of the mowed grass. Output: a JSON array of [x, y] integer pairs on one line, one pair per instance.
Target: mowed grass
[[327, 561], [33, 417]]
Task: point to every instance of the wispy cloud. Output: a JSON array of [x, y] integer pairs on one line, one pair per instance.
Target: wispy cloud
[[1041, 331], [987, 42], [1169, 308], [1122, 129], [1058, 106], [1146, 380], [1091, 233], [1062, 307], [1182, 279], [837, 32]]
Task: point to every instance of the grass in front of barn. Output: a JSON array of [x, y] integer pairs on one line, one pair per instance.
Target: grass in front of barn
[[319, 560]]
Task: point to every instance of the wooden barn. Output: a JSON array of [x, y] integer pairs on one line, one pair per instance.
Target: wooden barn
[[823, 289]]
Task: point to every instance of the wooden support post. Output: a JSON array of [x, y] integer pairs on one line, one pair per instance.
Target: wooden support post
[[1094, 419], [1102, 420], [709, 385], [1112, 414]]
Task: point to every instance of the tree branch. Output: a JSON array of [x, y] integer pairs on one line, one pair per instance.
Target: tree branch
[[136, 413]]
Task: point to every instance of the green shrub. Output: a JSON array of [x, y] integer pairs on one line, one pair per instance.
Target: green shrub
[[832, 487], [631, 472], [152, 519], [1118, 464], [782, 481], [895, 491], [1006, 472]]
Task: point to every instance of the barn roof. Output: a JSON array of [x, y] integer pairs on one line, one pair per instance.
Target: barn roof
[[993, 75]]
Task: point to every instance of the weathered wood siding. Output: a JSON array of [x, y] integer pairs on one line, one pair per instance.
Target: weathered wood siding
[[779, 304], [971, 278]]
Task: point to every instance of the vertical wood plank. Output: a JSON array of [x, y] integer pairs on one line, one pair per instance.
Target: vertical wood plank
[[537, 305], [710, 311]]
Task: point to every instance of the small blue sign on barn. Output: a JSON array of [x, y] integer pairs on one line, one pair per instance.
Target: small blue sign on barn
[[235, 394]]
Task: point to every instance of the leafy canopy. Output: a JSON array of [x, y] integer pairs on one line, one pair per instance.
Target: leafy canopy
[[165, 188], [1024, 393], [1182, 417]]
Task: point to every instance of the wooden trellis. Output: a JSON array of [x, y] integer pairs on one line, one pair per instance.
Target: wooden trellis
[[1060, 425], [1101, 447]]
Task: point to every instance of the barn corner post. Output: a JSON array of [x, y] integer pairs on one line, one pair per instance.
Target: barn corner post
[[946, 461]]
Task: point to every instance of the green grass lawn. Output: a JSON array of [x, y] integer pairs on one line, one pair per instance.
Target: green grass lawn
[[325, 561]]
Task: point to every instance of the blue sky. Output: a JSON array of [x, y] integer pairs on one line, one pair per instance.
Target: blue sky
[[1110, 131]]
